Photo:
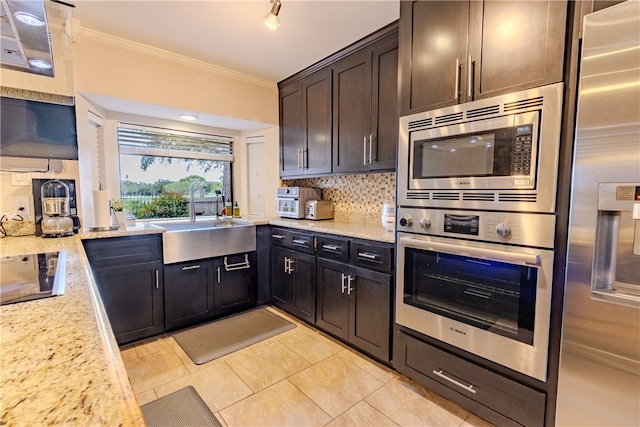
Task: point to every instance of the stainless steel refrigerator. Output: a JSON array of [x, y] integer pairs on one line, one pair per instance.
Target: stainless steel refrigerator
[[599, 377]]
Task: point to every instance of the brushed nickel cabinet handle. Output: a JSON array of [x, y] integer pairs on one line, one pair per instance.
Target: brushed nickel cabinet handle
[[157, 279], [370, 147], [218, 270], [441, 374], [349, 288], [364, 151], [344, 287], [191, 267]]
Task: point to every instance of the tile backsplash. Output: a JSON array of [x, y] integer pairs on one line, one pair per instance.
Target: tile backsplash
[[355, 197]]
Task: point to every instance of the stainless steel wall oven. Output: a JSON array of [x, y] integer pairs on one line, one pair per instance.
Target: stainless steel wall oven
[[476, 223], [464, 281]]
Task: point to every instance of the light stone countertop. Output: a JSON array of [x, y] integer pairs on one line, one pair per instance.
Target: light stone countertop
[[59, 361]]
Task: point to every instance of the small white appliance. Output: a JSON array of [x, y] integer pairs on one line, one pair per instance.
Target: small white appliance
[[291, 201]]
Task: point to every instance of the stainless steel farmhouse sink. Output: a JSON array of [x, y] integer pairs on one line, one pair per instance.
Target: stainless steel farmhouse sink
[[186, 241]]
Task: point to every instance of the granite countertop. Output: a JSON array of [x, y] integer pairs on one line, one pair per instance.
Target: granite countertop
[[59, 361]]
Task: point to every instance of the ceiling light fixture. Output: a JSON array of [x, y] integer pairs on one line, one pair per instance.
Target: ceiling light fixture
[[189, 117], [29, 19], [272, 17], [39, 63]]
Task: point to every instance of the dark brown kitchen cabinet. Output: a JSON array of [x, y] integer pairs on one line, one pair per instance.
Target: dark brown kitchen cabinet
[[200, 290], [129, 275], [189, 293], [305, 126], [235, 283], [293, 279], [455, 52], [365, 121], [354, 304]]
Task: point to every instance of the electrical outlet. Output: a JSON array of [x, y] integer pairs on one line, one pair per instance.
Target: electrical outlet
[[22, 202]]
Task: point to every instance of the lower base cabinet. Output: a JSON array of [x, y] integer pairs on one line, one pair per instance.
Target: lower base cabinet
[[189, 293], [354, 304], [234, 284], [129, 277], [199, 290], [492, 396], [293, 285]]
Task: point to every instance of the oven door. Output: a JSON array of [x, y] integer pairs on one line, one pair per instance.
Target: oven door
[[491, 300], [289, 208]]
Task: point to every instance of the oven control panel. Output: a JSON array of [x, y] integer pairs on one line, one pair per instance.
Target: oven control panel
[[516, 228]]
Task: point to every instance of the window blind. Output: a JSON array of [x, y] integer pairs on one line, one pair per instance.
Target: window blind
[[155, 141]]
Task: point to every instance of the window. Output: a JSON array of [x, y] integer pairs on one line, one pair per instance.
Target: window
[[157, 166]]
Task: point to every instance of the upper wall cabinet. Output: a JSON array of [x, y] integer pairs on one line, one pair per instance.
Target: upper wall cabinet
[[455, 52], [305, 126], [341, 114], [365, 108]]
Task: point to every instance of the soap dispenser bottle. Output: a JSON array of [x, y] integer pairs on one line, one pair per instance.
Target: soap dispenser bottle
[[228, 209]]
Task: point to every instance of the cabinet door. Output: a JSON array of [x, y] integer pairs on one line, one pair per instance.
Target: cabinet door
[[280, 277], [189, 293], [332, 313], [352, 112], [370, 312], [303, 291], [384, 105], [235, 283], [316, 158], [133, 299], [433, 46], [291, 129], [516, 44]]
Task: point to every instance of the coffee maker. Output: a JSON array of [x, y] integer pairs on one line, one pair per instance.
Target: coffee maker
[[55, 207]]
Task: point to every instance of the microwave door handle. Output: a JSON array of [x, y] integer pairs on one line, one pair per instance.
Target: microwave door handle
[[456, 85], [488, 254]]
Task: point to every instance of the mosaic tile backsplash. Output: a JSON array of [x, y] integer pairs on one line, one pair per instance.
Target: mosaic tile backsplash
[[355, 197]]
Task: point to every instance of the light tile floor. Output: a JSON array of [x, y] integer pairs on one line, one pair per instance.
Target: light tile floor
[[301, 377]]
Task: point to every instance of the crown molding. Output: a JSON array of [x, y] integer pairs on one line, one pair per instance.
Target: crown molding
[[174, 57]]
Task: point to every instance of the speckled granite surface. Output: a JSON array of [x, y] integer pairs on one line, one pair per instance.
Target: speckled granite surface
[[59, 361]]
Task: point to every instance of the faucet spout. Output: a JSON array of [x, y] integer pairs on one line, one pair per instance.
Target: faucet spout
[[192, 206]]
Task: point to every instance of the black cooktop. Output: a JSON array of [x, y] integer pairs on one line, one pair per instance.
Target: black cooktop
[[32, 276]]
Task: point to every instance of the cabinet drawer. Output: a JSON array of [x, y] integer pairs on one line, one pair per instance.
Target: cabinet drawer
[[280, 237], [118, 251], [302, 242], [332, 248], [367, 255], [508, 398]]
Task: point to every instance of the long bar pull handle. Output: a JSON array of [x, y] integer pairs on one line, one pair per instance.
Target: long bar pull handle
[[218, 271], [456, 86], [441, 374], [366, 255], [349, 288], [291, 261], [157, 279], [277, 236], [305, 158], [530, 259], [191, 267], [330, 248], [370, 147], [344, 287], [470, 70], [286, 265], [364, 151]]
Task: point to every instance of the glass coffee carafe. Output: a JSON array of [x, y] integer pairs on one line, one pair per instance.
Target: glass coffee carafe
[[56, 221]]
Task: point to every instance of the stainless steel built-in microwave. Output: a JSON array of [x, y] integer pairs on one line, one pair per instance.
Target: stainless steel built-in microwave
[[497, 153]]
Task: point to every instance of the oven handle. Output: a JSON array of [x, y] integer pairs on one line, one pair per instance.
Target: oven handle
[[488, 254]]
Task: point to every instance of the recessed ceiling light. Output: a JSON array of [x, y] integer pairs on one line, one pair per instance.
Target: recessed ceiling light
[[189, 117], [29, 19], [39, 63]]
